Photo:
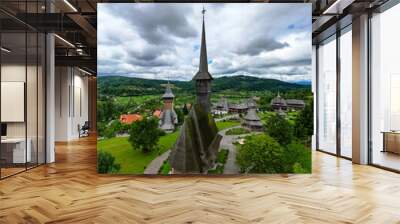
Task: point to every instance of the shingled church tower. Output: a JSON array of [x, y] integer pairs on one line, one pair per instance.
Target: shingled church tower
[[196, 148], [168, 117], [203, 77]]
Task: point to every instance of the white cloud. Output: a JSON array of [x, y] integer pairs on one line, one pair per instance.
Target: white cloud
[[161, 41]]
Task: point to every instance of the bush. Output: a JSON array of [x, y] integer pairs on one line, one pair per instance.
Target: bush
[[221, 160], [124, 128], [280, 129], [260, 154], [165, 168], [179, 115], [106, 163], [144, 134], [112, 129], [109, 133], [222, 156], [237, 131], [185, 110], [297, 158], [218, 170], [101, 128], [304, 123]]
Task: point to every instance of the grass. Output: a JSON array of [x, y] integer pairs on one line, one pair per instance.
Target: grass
[[222, 156], [136, 99], [221, 160], [218, 170], [221, 125], [290, 116], [165, 168], [134, 161], [264, 116], [140, 100], [232, 96], [237, 131]]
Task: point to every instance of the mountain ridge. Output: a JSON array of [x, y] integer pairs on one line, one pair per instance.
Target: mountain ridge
[[131, 86]]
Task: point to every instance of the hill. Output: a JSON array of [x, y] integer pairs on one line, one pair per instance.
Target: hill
[[127, 86], [303, 82]]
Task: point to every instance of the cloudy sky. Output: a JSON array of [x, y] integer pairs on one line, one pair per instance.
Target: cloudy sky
[[161, 41]]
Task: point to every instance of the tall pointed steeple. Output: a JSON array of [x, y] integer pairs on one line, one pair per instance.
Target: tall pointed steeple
[[203, 73], [168, 92], [195, 150], [203, 78]]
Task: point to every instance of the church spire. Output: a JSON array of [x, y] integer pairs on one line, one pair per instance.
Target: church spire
[[203, 73], [168, 92]]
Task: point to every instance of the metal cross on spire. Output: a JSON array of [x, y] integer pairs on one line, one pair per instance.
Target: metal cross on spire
[[203, 11]]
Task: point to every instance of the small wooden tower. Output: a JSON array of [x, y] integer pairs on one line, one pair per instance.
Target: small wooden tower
[[168, 117], [251, 120]]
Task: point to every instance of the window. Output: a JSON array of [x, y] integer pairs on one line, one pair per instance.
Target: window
[[22, 87], [346, 93], [327, 96], [385, 89]]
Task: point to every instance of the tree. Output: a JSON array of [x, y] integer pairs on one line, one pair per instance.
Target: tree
[[280, 129], [304, 126], [265, 101], [185, 109], [125, 128], [109, 108], [297, 158], [106, 163], [129, 106], [180, 115], [112, 129], [260, 154], [144, 134], [101, 129], [150, 105], [109, 132]]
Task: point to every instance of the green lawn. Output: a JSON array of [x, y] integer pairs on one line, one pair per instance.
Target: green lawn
[[137, 99], [226, 124], [140, 100], [264, 116], [291, 116], [134, 161], [180, 98]]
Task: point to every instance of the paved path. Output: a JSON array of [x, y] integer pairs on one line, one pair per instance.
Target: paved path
[[156, 164], [226, 143], [227, 117]]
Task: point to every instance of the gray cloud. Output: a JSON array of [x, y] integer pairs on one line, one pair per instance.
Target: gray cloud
[[156, 62], [157, 25], [261, 44], [162, 41]]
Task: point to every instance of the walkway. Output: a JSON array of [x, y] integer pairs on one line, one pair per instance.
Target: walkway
[[156, 164], [227, 143], [227, 117]]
